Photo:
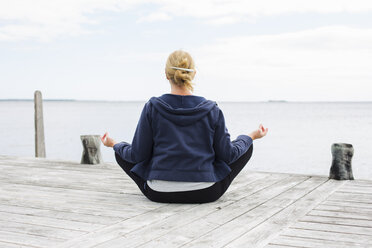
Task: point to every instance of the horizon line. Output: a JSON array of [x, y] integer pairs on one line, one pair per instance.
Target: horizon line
[[231, 101]]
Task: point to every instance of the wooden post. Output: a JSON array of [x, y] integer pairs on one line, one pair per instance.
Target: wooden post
[[39, 125], [92, 150], [341, 168]]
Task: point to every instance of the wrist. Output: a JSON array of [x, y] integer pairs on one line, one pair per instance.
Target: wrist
[[253, 136]]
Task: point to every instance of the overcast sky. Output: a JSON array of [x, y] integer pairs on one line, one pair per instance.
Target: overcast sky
[[244, 50]]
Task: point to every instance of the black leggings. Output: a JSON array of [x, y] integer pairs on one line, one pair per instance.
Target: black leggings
[[205, 195]]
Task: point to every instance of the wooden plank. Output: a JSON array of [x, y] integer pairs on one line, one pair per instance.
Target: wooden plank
[[75, 194], [116, 188], [358, 239], [332, 228], [359, 205], [93, 185], [312, 243], [126, 226], [107, 167], [347, 215], [252, 188], [12, 245], [60, 168], [245, 178], [361, 182], [231, 217], [28, 239], [337, 221], [294, 193], [96, 172], [351, 197], [160, 228], [61, 175], [355, 195], [316, 191], [139, 236], [88, 218], [65, 181], [123, 212], [39, 230], [51, 222], [40, 196], [178, 216], [347, 209], [356, 189], [50, 183], [279, 246], [344, 215]]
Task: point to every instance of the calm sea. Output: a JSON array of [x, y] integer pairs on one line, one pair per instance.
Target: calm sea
[[299, 139]]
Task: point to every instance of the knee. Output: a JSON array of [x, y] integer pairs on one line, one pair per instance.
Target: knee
[[248, 153], [125, 165], [119, 159], [250, 150]]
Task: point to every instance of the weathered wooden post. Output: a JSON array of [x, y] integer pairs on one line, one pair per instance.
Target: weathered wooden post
[[341, 162], [92, 150], [39, 125]]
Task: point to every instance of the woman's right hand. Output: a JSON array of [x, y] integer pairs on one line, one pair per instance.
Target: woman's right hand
[[259, 133]]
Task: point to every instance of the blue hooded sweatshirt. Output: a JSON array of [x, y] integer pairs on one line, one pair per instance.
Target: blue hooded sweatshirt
[[182, 138]]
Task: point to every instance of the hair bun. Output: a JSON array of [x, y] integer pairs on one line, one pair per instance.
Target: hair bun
[[182, 77], [180, 59], [184, 63]]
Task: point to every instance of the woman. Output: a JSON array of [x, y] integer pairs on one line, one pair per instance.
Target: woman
[[181, 150]]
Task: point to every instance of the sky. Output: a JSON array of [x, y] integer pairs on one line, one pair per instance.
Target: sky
[[116, 50]]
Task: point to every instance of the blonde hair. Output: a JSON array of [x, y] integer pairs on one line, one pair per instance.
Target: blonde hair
[[181, 78]]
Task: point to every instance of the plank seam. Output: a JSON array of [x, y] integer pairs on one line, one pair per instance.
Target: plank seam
[[317, 238], [325, 222], [338, 217], [311, 229], [12, 243]]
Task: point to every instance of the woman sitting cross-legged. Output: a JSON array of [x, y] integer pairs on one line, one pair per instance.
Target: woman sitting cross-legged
[[181, 150]]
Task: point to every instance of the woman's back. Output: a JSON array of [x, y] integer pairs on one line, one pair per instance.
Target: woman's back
[[183, 138]]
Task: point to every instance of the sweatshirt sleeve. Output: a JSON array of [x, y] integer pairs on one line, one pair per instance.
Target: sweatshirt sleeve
[[225, 149], [141, 147]]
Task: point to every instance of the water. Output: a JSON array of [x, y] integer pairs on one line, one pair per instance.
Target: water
[[299, 139]]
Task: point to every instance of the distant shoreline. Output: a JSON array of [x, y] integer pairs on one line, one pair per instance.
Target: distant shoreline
[[29, 100], [266, 101]]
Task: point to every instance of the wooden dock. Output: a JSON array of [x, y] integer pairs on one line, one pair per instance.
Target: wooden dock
[[50, 203]]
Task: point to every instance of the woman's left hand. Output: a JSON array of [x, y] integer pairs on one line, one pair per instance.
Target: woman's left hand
[[107, 141]]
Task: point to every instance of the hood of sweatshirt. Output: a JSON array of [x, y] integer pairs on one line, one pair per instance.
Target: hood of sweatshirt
[[182, 109]]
